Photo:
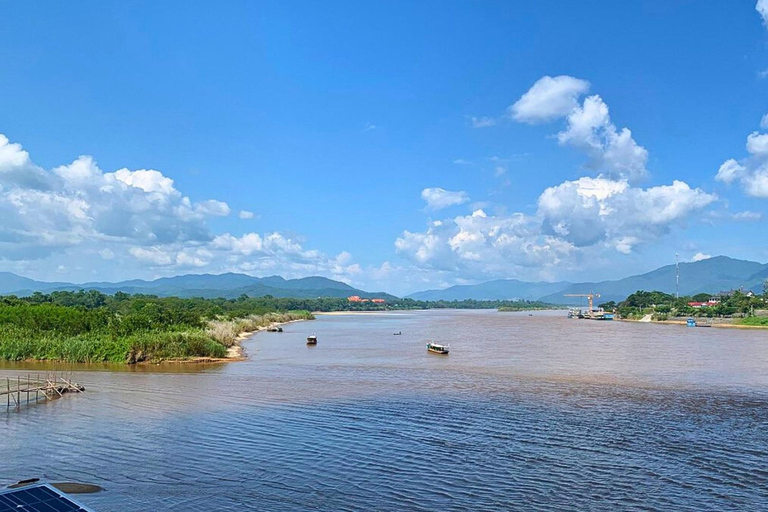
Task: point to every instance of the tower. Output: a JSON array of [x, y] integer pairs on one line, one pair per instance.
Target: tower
[[677, 276]]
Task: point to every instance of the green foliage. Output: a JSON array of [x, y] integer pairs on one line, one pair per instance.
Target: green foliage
[[93, 327], [661, 304], [525, 305], [761, 321]]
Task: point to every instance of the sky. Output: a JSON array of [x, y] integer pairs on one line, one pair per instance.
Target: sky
[[396, 146]]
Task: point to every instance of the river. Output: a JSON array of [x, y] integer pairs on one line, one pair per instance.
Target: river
[[526, 413]]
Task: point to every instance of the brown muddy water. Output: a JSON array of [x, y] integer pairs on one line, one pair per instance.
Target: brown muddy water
[[526, 413]]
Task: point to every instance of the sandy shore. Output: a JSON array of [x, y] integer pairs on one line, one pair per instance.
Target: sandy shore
[[236, 352]]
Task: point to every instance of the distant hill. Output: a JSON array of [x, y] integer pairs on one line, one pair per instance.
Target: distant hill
[[229, 285], [711, 276], [501, 289]]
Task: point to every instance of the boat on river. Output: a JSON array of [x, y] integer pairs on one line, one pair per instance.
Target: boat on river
[[312, 340], [436, 348]]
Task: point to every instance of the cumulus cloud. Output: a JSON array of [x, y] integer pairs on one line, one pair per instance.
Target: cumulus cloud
[[700, 256], [439, 198], [136, 219], [548, 99], [612, 152], [17, 169], [481, 245], [73, 204], [245, 214], [571, 217], [762, 8], [751, 172], [591, 210]]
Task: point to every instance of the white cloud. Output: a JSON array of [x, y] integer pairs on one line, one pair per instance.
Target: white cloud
[[700, 256], [747, 216], [612, 152], [483, 122], [730, 171], [575, 216], [368, 127], [762, 8], [138, 219], [78, 203], [155, 256], [213, 208], [245, 214], [461, 161], [438, 198], [480, 245], [548, 99], [17, 169], [592, 210], [764, 121], [751, 172]]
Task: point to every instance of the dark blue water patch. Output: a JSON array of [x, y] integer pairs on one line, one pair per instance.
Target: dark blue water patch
[[640, 450]]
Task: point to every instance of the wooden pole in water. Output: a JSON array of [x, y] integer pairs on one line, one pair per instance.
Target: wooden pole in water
[[18, 390]]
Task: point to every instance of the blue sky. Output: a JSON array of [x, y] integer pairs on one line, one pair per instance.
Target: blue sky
[[378, 143]]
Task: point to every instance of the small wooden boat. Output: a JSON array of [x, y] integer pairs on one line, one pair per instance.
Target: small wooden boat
[[399, 333], [437, 349], [275, 328], [312, 340]]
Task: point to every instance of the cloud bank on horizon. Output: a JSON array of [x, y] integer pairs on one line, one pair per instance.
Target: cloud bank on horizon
[[135, 215]]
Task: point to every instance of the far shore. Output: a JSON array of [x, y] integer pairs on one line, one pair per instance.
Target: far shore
[[722, 323]]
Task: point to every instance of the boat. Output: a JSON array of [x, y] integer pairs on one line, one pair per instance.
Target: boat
[[436, 348], [275, 328], [312, 340], [690, 322], [398, 333]]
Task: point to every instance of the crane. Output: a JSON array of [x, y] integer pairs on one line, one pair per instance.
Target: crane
[[589, 297]]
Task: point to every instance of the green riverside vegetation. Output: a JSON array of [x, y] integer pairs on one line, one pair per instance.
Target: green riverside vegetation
[[742, 308], [89, 326]]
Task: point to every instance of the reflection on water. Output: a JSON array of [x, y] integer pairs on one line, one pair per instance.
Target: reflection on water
[[527, 413]]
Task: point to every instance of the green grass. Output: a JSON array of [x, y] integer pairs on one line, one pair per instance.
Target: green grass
[[754, 320], [48, 332], [20, 344]]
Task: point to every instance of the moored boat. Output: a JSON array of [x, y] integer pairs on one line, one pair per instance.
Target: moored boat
[[437, 348], [312, 340]]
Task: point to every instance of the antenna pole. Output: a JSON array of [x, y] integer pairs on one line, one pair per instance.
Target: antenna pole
[[677, 276]]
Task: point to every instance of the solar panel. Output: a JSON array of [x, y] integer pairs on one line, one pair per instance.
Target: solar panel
[[37, 498]]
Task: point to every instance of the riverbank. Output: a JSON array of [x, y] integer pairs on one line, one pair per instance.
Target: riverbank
[[236, 352], [725, 323], [53, 333]]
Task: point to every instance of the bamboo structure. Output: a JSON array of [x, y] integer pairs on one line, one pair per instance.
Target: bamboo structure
[[50, 386]]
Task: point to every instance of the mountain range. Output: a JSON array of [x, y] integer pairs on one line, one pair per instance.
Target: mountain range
[[198, 285], [706, 276]]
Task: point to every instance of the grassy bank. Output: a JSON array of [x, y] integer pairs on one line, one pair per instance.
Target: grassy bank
[[753, 321], [88, 327]]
